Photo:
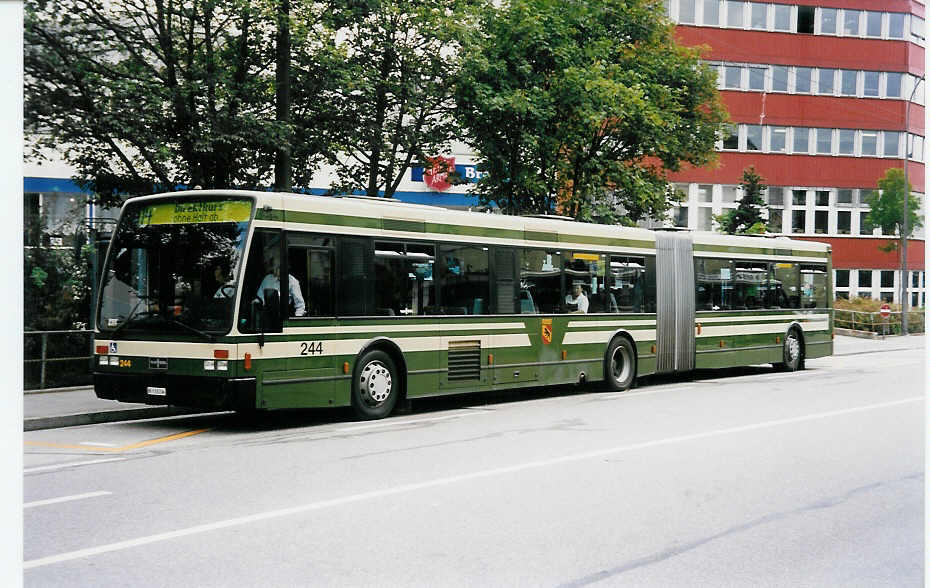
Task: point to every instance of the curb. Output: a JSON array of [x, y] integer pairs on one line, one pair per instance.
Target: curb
[[109, 416]]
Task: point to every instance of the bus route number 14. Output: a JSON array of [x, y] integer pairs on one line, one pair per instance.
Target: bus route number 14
[[311, 348]]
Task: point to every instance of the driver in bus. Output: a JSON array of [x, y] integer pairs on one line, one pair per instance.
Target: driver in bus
[[576, 300], [272, 282]]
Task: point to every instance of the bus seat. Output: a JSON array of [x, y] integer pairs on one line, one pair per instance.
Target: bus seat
[[478, 306], [384, 311], [526, 302]]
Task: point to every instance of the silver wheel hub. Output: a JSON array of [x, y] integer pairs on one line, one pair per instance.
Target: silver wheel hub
[[793, 347], [375, 382], [621, 364]]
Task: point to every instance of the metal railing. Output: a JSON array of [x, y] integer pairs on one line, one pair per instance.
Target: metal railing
[[874, 322], [54, 357]]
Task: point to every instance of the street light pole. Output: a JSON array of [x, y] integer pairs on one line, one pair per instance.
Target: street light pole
[[907, 193]]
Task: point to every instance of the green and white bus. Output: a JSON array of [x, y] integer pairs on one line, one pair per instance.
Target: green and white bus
[[259, 301]]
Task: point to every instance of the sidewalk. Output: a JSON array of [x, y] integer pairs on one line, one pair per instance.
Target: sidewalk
[[80, 406]]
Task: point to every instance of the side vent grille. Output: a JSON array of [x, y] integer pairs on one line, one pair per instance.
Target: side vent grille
[[464, 360]]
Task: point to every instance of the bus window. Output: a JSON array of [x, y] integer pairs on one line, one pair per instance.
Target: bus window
[[813, 286], [504, 282], [353, 272], [540, 282], [713, 280], [750, 279], [404, 278], [262, 276], [587, 270], [463, 278], [313, 270], [787, 294], [627, 285]]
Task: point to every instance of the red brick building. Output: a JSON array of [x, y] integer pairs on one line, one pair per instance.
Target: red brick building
[[818, 94]]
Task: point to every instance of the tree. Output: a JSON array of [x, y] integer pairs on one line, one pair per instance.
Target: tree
[[747, 216], [143, 96], [886, 207], [585, 106], [394, 96]]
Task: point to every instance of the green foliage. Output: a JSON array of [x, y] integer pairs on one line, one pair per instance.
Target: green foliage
[[886, 208], [746, 218], [58, 294], [154, 95], [584, 105], [393, 75]]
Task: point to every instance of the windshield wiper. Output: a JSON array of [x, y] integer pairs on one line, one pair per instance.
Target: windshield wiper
[[129, 317], [208, 336]]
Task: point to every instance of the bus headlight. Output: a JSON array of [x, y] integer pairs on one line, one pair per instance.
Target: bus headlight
[[222, 365], [104, 360], [209, 365]]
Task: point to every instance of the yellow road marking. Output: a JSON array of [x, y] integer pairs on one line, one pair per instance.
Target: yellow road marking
[[117, 449]]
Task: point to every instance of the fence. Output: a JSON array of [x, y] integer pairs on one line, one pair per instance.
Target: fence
[[874, 322], [56, 358]]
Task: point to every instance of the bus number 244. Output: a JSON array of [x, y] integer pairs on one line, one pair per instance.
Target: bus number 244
[[311, 348]]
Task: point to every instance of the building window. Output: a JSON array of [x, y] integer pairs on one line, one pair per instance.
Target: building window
[[869, 143], [806, 19], [870, 84], [821, 218], [851, 23], [828, 21], [777, 139], [915, 279], [893, 84], [712, 12], [705, 193], [892, 144], [799, 197], [735, 14], [873, 24], [847, 142], [686, 11], [753, 138], [759, 16], [917, 28], [798, 219], [731, 77], [842, 278], [705, 218], [774, 223], [843, 222], [800, 140], [844, 196], [782, 17], [731, 138], [728, 194], [887, 297], [757, 78], [825, 81], [888, 278], [779, 78], [681, 216], [914, 297], [822, 198], [865, 279], [802, 80], [896, 25], [825, 141], [848, 85], [865, 227], [776, 196]]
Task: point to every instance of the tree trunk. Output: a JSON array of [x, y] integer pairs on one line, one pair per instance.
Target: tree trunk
[[282, 163]]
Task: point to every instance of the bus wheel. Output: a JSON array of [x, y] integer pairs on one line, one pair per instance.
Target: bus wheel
[[620, 366], [375, 388], [793, 352]]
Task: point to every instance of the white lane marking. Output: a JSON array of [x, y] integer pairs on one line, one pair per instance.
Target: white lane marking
[[66, 498], [393, 423], [377, 494], [70, 464], [98, 444], [645, 392]]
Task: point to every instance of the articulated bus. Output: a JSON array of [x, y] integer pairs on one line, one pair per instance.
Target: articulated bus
[[233, 300]]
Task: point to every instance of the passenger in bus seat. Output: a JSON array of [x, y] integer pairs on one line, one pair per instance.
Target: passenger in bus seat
[[272, 282], [577, 299]]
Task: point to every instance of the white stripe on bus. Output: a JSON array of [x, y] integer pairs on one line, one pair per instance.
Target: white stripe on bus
[[582, 337], [610, 323], [401, 328], [754, 318], [278, 349], [758, 329]]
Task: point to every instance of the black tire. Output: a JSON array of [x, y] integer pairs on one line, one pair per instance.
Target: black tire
[[375, 385], [620, 364], [792, 352]]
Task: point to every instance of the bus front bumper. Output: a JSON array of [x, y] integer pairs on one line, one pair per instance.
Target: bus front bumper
[[188, 391]]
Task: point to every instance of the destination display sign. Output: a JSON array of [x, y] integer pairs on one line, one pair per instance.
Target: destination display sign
[[209, 211]]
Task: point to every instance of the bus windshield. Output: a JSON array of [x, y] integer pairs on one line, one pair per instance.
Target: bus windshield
[[173, 266]]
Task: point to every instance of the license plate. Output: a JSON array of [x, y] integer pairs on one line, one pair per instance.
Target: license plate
[[157, 391]]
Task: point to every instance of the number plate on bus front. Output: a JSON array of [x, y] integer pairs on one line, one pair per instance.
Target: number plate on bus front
[[157, 391]]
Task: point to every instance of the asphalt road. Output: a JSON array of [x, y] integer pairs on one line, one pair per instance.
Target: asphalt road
[[733, 478]]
